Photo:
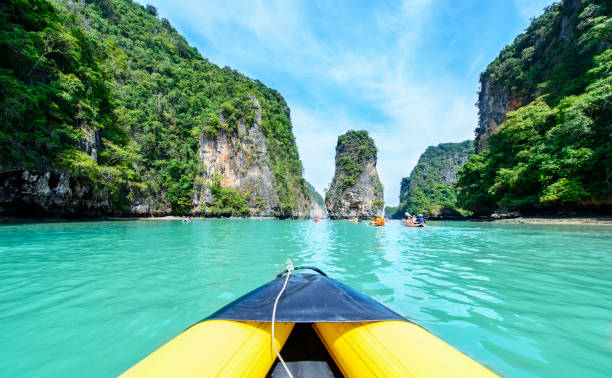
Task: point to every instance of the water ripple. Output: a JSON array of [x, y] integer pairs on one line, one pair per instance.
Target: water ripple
[[524, 300]]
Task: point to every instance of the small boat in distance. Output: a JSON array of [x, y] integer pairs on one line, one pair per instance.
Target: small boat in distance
[[378, 221], [414, 225], [414, 221], [317, 327]]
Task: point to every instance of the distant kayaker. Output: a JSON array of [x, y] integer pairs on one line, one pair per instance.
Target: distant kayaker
[[420, 220]]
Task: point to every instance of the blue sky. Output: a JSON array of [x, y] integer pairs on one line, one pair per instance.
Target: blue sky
[[405, 71]]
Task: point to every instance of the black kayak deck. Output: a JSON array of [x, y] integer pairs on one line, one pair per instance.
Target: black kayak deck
[[308, 298]]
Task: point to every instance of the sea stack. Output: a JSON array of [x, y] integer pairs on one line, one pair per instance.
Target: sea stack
[[355, 191]]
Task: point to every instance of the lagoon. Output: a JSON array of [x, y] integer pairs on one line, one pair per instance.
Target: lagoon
[[93, 298]]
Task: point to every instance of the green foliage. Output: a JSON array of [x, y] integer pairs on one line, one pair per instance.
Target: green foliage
[[315, 195], [564, 190], [53, 83], [79, 164], [554, 54], [111, 67], [391, 210], [179, 177], [557, 150], [543, 156], [228, 201], [429, 188], [353, 149]]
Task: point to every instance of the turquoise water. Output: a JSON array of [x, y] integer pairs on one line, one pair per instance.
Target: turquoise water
[[93, 298]]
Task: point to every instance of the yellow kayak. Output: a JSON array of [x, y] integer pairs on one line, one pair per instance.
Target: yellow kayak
[[323, 328]]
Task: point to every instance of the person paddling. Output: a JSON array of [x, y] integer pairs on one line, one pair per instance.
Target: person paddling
[[420, 220]]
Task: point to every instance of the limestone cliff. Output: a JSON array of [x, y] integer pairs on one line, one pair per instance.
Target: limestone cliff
[[240, 161], [136, 123], [494, 103], [429, 188], [543, 138], [536, 49], [355, 191], [317, 203], [56, 192], [492, 109]]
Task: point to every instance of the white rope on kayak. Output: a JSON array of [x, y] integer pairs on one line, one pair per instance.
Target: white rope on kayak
[[289, 269]]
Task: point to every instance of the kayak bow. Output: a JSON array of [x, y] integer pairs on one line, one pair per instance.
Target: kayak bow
[[324, 328]]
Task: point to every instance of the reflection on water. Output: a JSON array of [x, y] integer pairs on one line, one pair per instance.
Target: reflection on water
[[523, 300]]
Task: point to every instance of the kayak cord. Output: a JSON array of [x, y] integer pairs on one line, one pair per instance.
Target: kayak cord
[[289, 269]]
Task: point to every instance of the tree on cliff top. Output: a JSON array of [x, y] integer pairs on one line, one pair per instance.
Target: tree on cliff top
[[355, 190], [352, 151]]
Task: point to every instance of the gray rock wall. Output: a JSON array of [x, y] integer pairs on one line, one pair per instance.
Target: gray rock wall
[[492, 109], [316, 210], [242, 159], [24, 193]]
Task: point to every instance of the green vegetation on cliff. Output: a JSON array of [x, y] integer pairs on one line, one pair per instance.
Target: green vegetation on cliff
[[430, 186], [355, 190], [390, 211], [318, 198], [110, 75], [228, 201], [352, 150], [557, 150]]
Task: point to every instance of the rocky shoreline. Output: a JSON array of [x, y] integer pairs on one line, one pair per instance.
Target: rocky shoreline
[[9, 219], [587, 220], [603, 220]]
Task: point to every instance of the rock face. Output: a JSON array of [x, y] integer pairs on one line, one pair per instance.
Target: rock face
[[242, 161], [56, 193], [317, 211], [492, 109], [493, 104], [429, 188], [23, 193], [355, 191], [317, 203]]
